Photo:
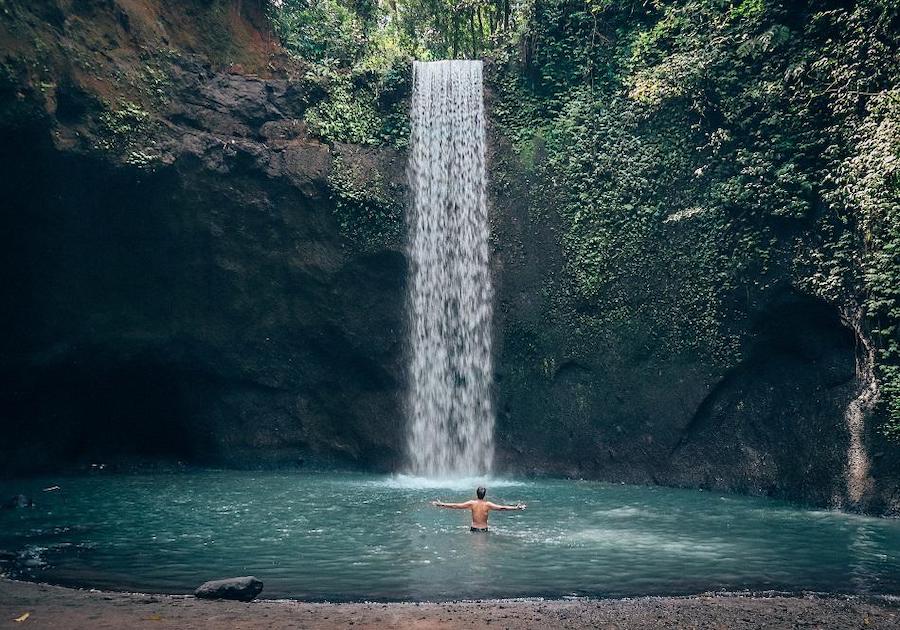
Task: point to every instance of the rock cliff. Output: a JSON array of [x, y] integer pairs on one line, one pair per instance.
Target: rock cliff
[[177, 282]]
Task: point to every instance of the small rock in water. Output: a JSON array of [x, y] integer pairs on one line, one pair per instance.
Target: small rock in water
[[18, 501], [243, 589]]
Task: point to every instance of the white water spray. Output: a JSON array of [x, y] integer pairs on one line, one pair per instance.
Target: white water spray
[[451, 416]]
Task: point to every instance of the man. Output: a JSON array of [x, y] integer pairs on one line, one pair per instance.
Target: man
[[480, 509]]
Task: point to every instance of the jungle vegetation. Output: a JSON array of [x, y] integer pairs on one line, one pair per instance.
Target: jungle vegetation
[[770, 127]]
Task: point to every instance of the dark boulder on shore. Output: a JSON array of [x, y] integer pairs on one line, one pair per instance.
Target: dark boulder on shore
[[243, 589]]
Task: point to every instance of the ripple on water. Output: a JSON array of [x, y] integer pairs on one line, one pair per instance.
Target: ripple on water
[[386, 542], [625, 512], [650, 543]]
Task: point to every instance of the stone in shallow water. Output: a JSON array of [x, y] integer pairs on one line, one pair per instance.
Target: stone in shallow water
[[240, 588]]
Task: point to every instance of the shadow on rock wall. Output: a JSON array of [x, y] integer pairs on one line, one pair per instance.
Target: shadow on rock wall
[[188, 314]]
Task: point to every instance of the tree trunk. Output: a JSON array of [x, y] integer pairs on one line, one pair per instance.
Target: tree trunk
[[480, 25], [455, 35]]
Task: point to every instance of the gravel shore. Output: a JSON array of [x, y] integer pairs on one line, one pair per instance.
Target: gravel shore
[[72, 609]]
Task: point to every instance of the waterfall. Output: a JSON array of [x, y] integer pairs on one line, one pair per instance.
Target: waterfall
[[451, 422], [857, 471]]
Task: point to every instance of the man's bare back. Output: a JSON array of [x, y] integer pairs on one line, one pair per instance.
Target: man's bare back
[[479, 508]]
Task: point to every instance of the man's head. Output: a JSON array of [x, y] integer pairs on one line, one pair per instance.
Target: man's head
[[480, 492]]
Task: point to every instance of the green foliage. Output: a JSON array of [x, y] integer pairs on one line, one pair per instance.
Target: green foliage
[[361, 107], [356, 61], [360, 50], [320, 31], [348, 114], [690, 147], [698, 155], [622, 185], [154, 81], [367, 207], [127, 120], [748, 10], [127, 130], [440, 29], [865, 189]]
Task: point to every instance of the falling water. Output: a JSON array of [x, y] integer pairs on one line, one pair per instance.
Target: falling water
[[451, 419], [857, 471]]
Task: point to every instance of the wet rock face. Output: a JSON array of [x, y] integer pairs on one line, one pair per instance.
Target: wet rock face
[[204, 309], [610, 402], [774, 424]]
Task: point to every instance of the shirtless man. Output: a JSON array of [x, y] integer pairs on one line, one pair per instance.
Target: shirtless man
[[480, 509]]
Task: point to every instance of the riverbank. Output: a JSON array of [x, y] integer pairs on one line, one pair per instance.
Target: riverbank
[[58, 607]]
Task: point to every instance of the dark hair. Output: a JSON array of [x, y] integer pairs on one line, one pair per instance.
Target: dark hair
[[481, 491]]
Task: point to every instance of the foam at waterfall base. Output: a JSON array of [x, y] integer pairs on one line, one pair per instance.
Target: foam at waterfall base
[[413, 482]]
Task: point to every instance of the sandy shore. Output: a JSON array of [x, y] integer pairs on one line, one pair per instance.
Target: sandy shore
[[58, 607]]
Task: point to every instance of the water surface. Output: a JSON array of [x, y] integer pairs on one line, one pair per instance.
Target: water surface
[[342, 536]]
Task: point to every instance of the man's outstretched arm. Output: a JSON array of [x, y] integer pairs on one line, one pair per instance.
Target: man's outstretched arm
[[452, 506], [517, 506]]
